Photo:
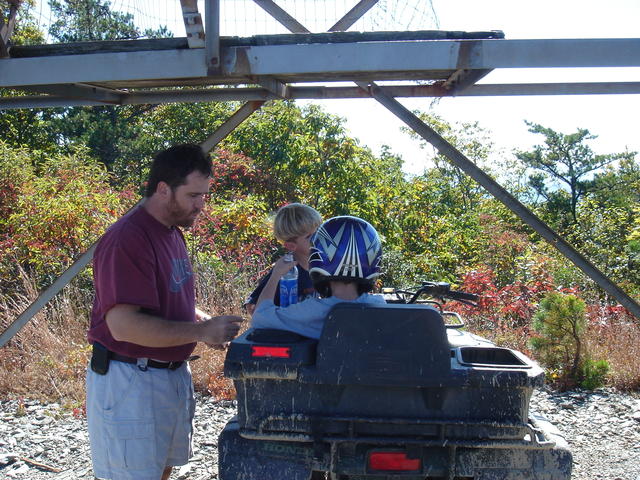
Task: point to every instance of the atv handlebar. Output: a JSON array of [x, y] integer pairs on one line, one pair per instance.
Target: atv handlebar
[[437, 290]]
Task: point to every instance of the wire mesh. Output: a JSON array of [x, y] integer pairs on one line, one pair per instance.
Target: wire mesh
[[246, 18]]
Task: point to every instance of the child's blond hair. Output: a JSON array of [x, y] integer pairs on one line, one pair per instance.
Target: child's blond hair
[[294, 220]]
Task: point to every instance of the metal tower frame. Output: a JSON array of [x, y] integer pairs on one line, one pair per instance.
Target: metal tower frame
[[380, 65]]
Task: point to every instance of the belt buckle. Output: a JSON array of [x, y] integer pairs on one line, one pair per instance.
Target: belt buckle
[[142, 364]]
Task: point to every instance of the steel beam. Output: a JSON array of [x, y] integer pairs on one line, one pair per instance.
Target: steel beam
[[353, 15], [419, 56], [276, 92], [501, 194], [578, 88], [103, 67], [282, 16], [81, 91], [212, 38], [312, 62], [230, 125]]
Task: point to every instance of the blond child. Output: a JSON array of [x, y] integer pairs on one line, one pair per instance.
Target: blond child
[[293, 226]]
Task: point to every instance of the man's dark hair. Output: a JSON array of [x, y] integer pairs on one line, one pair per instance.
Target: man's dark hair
[[174, 164]]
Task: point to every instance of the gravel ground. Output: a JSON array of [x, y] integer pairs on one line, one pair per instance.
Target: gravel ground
[[45, 442]]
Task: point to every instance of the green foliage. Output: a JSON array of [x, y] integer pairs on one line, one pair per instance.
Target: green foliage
[[399, 270], [593, 373], [108, 132], [126, 138], [560, 323], [601, 232], [91, 20], [114, 135], [25, 31], [470, 139], [28, 128], [51, 211], [440, 209]]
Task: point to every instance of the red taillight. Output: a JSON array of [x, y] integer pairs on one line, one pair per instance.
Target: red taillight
[[277, 352], [393, 461]]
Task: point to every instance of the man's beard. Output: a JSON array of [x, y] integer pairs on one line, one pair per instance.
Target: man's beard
[[179, 216]]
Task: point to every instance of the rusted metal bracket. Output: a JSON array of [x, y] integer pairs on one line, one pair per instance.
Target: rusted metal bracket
[[469, 53], [193, 23], [274, 86]]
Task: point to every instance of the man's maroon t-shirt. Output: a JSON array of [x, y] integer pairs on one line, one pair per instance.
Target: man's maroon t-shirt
[[139, 261]]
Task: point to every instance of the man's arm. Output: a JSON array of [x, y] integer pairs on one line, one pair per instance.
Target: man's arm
[[128, 324]]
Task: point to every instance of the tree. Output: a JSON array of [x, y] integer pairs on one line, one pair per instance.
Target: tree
[[564, 168], [25, 31], [109, 132], [310, 158], [560, 323], [470, 139], [91, 20], [25, 127]]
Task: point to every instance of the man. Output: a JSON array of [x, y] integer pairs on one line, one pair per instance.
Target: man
[[145, 325]]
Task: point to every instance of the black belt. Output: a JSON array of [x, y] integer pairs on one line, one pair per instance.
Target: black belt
[[150, 363], [101, 356]]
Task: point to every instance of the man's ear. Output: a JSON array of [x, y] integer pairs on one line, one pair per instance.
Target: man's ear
[[163, 189], [290, 246]]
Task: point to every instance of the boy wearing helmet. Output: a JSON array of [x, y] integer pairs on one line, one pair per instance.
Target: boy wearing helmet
[[344, 263]]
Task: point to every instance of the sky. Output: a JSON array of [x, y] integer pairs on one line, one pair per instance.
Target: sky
[[613, 118]]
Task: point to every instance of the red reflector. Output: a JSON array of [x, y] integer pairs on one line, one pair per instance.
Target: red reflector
[[393, 461], [279, 352]]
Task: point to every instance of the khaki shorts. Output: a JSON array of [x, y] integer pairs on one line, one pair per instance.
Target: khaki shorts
[[139, 421]]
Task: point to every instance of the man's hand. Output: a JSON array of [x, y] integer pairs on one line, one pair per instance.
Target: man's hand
[[221, 329]]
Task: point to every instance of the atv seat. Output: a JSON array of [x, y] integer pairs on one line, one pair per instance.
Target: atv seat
[[382, 345]]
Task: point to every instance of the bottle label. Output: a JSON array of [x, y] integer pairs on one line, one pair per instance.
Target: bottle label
[[288, 291]]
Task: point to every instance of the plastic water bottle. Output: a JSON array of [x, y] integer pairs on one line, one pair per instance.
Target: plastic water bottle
[[289, 284]]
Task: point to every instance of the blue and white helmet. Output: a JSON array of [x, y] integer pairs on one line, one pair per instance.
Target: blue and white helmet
[[345, 248]]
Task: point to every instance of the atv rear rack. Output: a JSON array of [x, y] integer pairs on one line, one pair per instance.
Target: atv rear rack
[[442, 432]]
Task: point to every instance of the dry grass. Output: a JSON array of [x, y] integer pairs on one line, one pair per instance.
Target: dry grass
[[47, 359], [617, 342]]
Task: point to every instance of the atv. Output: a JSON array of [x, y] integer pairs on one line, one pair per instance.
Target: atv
[[396, 391]]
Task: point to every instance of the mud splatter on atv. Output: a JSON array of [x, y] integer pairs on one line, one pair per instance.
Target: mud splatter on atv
[[387, 392]]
